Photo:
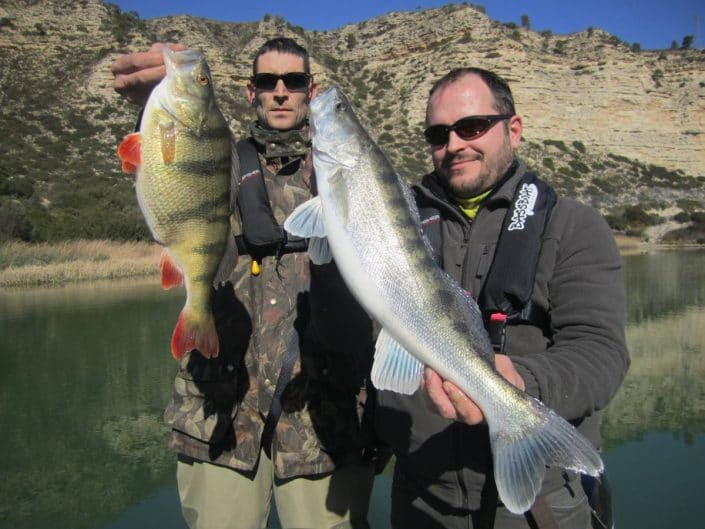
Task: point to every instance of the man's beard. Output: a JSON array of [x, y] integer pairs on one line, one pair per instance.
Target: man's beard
[[491, 172]]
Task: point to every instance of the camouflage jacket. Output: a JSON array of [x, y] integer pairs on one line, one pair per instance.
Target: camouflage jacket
[[218, 406]]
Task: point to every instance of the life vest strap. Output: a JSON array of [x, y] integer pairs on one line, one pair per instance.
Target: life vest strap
[[496, 323], [262, 235], [289, 245]]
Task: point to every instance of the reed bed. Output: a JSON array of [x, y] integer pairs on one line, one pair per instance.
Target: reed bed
[[23, 264]]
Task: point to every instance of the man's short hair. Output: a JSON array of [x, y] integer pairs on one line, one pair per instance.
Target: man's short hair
[[502, 94], [282, 45]]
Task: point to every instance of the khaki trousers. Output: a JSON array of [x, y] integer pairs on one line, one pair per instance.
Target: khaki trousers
[[216, 497]]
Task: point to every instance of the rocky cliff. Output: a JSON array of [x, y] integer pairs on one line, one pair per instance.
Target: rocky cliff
[[621, 129]]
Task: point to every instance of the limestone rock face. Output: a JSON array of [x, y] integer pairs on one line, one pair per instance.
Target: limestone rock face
[[599, 117]]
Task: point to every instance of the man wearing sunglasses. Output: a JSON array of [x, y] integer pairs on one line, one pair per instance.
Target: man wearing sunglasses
[[295, 348], [546, 273]]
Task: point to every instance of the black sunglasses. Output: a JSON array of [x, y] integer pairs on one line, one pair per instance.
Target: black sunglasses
[[467, 128], [292, 80]]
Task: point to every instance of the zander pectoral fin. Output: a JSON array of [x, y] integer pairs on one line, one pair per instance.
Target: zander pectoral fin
[[307, 221]]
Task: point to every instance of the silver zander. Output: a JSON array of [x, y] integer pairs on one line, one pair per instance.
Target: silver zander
[[364, 216]]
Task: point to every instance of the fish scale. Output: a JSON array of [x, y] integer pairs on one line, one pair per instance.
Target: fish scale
[[365, 218]]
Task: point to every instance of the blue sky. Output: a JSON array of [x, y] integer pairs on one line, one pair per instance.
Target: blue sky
[[651, 23]]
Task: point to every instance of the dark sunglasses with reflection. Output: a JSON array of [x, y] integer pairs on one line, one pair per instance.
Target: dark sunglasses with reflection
[[292, 80], [468, 128]]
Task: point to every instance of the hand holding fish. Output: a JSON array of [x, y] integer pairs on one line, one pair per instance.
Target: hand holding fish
[[136, 74], [450, 402]]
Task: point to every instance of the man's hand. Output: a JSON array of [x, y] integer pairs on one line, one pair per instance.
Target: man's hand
[[136, 74], [451, 403]]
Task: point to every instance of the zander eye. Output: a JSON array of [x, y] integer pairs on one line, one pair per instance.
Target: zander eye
[[202, 80]]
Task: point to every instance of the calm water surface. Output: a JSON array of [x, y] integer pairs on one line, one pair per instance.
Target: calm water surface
[[85, 373]]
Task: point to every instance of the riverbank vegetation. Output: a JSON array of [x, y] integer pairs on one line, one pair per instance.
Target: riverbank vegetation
[[24, 264], [30, 264]]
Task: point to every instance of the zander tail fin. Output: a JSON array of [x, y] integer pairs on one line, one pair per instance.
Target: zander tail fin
[[192, 333], [522, 453]]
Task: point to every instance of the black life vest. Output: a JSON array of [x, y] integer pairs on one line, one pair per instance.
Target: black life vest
[[506, 296], [261, 235]]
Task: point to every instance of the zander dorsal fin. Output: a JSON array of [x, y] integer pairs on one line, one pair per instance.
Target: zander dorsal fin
[[394, 368]]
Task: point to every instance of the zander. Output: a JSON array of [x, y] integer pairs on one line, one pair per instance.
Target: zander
[[365, 217], [182, 157]]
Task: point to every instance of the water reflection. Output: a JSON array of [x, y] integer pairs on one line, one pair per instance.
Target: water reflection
[[663, 283], [85, 373], [658, 481], [84, 377], [666, 338], [664, 388], [654, 429]]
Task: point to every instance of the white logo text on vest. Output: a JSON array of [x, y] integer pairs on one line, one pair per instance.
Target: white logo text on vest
[[524, 206]]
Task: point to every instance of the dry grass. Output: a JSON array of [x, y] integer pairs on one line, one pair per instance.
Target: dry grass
[[24, 264], [626, 241]]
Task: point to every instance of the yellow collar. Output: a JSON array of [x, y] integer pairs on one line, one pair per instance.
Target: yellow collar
[[471, 205]]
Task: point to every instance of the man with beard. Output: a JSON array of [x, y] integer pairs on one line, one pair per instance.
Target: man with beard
[[280, 411], [546, 273]]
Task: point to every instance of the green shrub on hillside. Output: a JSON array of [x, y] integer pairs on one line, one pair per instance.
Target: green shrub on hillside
[[16, 187], [579, 166], [579, 146], [14, 222], [556, 143], [694, 233], [698, 217], [607, 185], [633, 219]]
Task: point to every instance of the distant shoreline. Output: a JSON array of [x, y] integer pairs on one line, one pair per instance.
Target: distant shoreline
[[31, 265], [629, 245]]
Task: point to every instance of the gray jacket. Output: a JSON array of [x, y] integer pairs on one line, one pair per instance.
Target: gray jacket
[[575, 368]]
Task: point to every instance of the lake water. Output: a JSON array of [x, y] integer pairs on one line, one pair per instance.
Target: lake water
[[85, 373]]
